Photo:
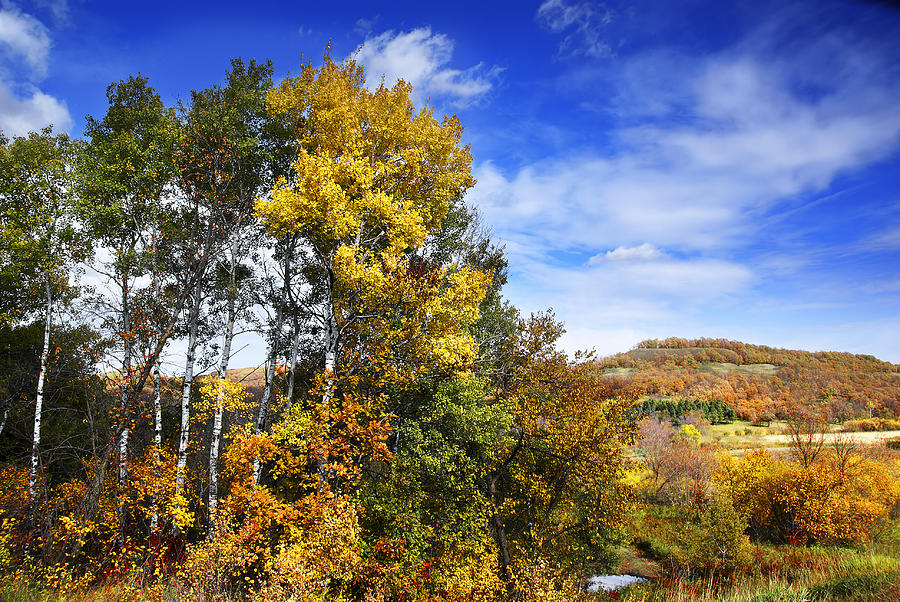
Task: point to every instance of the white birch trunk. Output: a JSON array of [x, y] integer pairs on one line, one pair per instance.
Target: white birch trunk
[[3, 421], [123, 475], [271, 363], [331, 349], [39, 400], [295, 349], [217, 421], [157, 447], [126, 381], [184, 439]]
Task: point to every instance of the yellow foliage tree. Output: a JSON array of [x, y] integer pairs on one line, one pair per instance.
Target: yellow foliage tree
[[372, 179]]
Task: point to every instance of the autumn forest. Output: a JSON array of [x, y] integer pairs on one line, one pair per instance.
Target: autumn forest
[[409, 434]]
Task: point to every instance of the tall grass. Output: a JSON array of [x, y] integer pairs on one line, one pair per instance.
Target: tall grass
[[776, 573], [787, 574]]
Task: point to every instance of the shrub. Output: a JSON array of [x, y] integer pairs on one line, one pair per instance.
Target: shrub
[[830, 501], [720, 544], [872, 425]]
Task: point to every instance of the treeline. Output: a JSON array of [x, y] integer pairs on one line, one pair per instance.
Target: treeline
[[413, 436], [851, 386], [746, 353]]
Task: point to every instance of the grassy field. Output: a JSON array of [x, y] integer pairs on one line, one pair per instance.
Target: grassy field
[[777, 573], [720, 368], [767, 370], [744, 435]]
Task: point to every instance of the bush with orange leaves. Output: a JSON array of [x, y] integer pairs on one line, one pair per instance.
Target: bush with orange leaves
[[298, 535], [831, 501], [277, 550]]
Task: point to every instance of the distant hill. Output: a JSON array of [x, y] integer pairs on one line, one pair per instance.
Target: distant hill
[[759, 382], [254, 378]]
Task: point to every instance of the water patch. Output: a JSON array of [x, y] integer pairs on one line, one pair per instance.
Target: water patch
[[610, 583]]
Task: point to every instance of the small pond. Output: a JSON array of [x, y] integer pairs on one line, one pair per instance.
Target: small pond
[[609, 583]]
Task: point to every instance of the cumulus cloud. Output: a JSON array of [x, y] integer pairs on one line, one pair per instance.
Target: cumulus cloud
[[421, 58], [24, 50], [20, 115], [644, 252], [580, 23]]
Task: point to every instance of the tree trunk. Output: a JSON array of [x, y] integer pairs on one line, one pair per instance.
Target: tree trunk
[[503, 547], [217, 421], [193, 320], [157, 447], [90, 504], [331, 351], [123, 436], [39, 400], [295, 349], [502, 542], [123, 475], [271, 363]]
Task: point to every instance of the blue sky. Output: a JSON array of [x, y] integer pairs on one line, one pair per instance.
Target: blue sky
[[715, 168]]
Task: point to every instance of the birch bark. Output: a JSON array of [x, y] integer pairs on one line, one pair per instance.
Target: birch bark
[[295, 349], [272, 361], [123, 436], [157, 447], [39, 400], [184, 438], [217, 420]]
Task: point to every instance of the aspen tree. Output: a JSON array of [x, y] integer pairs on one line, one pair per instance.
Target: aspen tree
[[372, 179], [40, 237], [125, 181]]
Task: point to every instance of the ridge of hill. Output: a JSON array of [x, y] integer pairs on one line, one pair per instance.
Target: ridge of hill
[[759, 382]]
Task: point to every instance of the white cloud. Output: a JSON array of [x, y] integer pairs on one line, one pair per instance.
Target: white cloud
[[24, 36], [20, 115], [420, 57], [644, 252], [583, 20], [364, 27], [613, 304], [750, 146], [726, 146], [24, 50]]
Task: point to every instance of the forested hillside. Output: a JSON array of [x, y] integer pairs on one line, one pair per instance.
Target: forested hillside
[[760, 383]]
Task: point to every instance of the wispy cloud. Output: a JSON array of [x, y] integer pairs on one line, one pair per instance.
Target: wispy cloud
[[59, 9], [887, 239], [422, 58], [750, 143], [24, 50], [24, 37], [580, 23]]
